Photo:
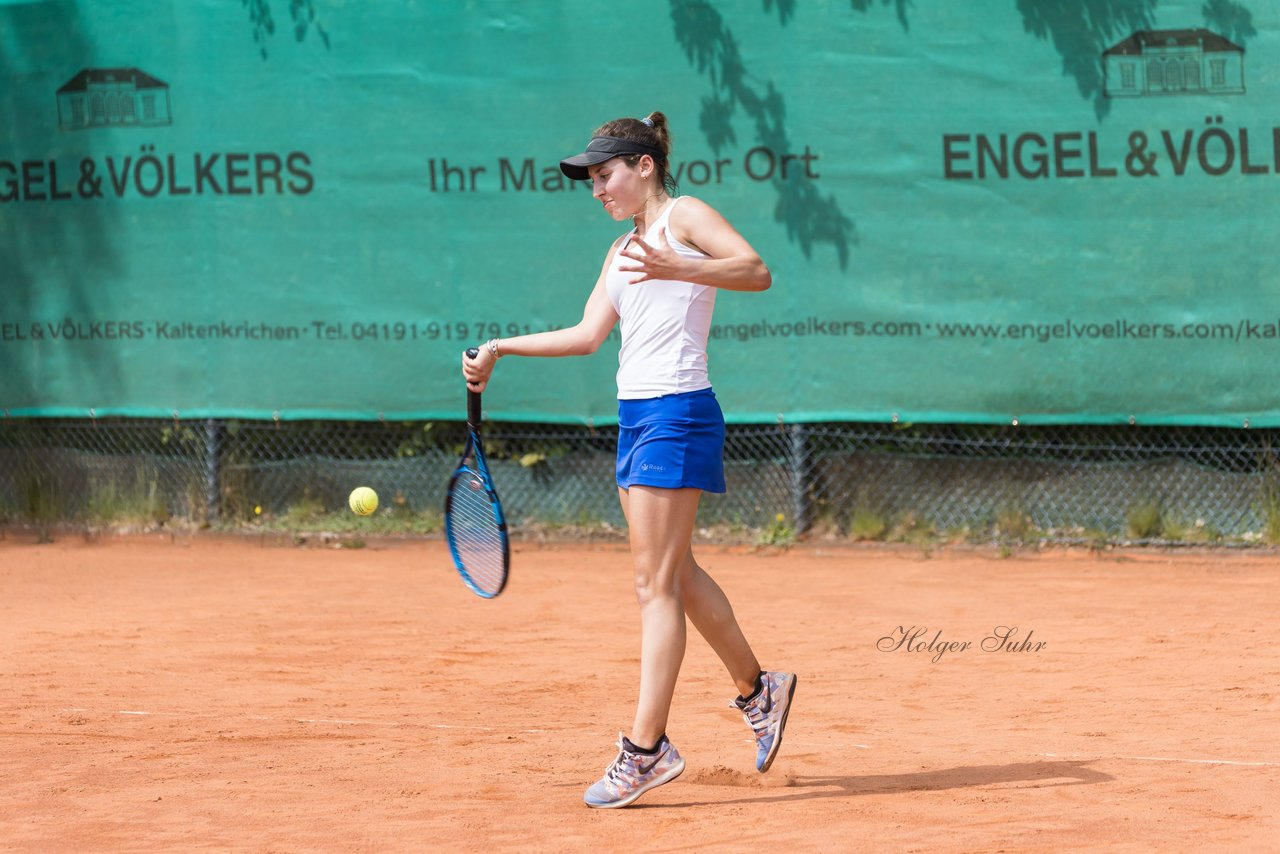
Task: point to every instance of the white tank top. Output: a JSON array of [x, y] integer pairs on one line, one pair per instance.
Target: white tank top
[[664, 324]]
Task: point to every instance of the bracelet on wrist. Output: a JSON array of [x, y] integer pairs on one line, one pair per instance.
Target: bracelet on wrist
[[492, 344]]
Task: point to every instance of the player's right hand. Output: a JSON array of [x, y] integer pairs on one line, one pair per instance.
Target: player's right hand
[[478, 370]]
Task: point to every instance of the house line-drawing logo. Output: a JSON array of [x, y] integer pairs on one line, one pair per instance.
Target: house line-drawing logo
[[1146, 64], [130, 97], [113, 97], [1173, 62]]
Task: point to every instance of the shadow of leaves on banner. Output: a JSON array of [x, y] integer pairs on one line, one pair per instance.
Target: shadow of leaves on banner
[[1230, 20], [54, 254], [1081, 30], [301, 12], [900, 5], [711, 48], [786, 9]]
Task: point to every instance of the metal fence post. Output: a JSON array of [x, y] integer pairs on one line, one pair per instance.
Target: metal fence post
[[212, 468], [800, 493]]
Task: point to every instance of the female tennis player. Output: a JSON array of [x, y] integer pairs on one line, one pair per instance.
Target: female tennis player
[[660, 281]]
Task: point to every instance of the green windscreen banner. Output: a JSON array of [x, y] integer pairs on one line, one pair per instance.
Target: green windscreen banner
[[980, 211]]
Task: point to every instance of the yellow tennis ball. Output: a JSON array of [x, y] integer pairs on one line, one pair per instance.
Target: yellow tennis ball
[[363, 500]]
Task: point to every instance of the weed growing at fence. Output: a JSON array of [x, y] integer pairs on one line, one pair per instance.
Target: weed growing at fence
[[309, 515], [135, 501], [36, 499], [1271, 525], [865, 524], [779, 532], [913, 529], [1270, 504], [1145, 521], [1013, 524]]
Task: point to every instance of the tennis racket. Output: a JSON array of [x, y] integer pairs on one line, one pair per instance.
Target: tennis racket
[[474, 525]]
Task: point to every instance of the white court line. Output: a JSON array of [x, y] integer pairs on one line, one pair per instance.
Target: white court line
[[339, 721], [790, 742], [1167, 759], [392, 724]]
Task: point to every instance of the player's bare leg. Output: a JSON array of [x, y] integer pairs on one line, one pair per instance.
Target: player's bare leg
[[712, 615], [661, 528]]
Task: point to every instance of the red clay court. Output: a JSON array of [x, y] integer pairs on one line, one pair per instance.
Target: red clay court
[[173, 693]]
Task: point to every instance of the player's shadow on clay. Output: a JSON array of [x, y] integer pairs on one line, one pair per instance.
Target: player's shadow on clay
[[1044, 774]]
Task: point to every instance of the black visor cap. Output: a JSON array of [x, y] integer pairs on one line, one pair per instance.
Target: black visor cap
[[599, 150]]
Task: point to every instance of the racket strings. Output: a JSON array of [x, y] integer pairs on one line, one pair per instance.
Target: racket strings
[[476, 532]]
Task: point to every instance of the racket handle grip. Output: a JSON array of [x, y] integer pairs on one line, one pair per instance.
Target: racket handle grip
[[473, 397]]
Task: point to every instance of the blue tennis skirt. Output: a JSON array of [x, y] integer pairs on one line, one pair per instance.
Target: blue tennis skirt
[[672, 441]]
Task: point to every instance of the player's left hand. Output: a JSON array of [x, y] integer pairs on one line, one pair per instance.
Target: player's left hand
[[657, 261]]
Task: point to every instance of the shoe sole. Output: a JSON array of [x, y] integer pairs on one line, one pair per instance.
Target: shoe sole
[[667, 776], [782, 725]]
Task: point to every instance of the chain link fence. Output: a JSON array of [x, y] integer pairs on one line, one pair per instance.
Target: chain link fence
[[976, 483]]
